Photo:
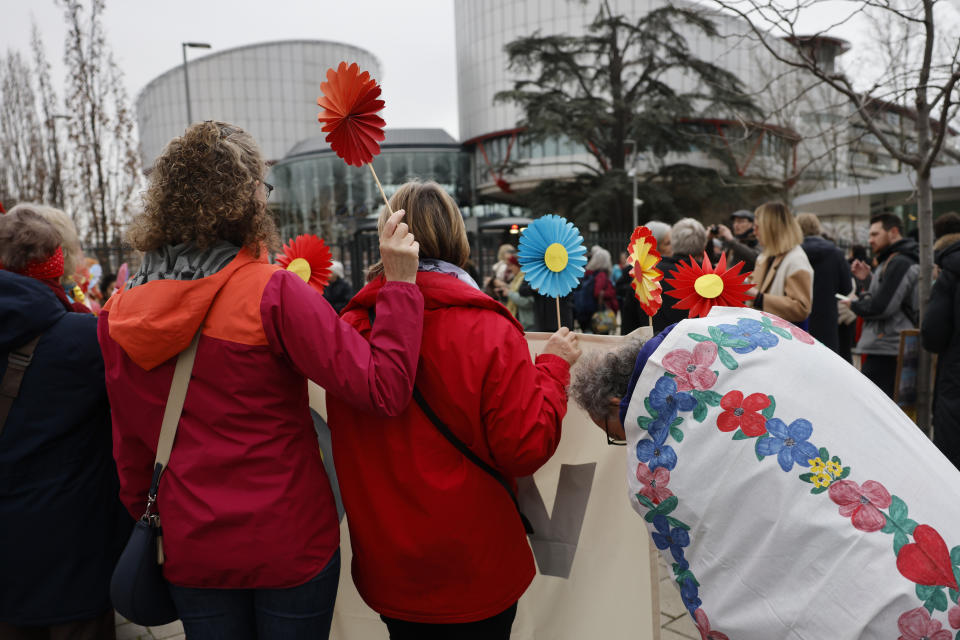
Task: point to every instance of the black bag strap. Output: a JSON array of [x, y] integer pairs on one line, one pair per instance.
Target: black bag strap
[[461, 446], [17, 363]]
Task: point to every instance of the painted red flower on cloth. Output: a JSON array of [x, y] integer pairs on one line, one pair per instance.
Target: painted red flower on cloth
[[861, 504], [794, 330], [703, 625], [692, 368], [654, 483], [953, 616], [743, 413], [916, 624]]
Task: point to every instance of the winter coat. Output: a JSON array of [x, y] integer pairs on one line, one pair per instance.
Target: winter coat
[[831, 275], [882, 304], [436, 539], [520, 306], [785, 283], [667, 315], [941, 335], [632, 316], [743, 248], [62, 527], [545, 309], [245, 501], [338, 294], [603, 292]]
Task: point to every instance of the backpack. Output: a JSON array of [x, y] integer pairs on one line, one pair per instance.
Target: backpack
[[910, 304], [584, 302]]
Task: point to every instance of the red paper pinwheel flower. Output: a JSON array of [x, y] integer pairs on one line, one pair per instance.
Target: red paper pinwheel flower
[[701, 287], [643, 255], [350, 107], [308, 257]]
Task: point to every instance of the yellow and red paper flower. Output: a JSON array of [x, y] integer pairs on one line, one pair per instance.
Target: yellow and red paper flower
[[309, 257], [643, 255], [701, 287], [350, 105]]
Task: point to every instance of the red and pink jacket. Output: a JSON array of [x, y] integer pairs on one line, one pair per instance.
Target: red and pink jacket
[[434, 538], [245, 502]]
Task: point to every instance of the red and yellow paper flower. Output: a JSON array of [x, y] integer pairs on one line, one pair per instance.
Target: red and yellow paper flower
[[350, 105], [643, 255], [309, 257], [701, 287]]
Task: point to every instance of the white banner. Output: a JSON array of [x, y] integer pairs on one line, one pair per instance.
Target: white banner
[[595, 577]]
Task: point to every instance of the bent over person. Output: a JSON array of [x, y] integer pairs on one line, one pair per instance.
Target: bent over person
[[439, 548], [250, 528], [782, 512]]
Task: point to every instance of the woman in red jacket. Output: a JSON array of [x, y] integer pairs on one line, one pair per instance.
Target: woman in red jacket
[[250, 527], [439, 549]]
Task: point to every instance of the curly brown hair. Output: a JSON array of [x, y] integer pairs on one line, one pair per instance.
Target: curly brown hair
[[203, 190]]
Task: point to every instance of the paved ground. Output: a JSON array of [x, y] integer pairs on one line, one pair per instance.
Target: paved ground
[[675, 624]]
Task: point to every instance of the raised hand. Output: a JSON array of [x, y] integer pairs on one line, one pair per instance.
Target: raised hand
[[399, 250]]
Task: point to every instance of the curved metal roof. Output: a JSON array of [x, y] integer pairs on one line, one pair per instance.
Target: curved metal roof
[[395, 139]]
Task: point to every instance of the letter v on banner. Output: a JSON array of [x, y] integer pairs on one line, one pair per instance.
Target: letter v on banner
[[555, 538]]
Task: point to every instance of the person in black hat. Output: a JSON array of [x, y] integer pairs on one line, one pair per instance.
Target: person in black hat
[[740, 243]]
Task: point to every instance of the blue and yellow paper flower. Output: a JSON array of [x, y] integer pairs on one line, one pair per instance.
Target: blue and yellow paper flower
[[552, 255]]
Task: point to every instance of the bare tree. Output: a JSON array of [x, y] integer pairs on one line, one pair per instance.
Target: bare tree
[[103, 164], [49, 110], [23, 171], [922, 72]]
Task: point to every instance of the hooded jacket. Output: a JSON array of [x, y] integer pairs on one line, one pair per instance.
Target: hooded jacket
[[883, 296], [61, 525], [435, 539], [941, 335], [831, 275], [244, 501]]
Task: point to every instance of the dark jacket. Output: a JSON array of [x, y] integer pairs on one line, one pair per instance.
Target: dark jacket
[[338, 294], [667, 314], [882, 298], [742, 248], [61, 525], [941, 334], [545, 309], [831, 275], [632, 316]]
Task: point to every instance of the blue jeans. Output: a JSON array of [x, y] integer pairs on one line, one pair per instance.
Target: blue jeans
[[298, 613]]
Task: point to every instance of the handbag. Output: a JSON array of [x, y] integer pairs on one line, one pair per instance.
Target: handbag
[[603, 321], [138, 589]]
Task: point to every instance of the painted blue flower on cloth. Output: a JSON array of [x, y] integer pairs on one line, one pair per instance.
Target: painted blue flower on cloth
[[673, 538], [753, 331], [788, 443], [690, 595], [665, 398], [656, 454]]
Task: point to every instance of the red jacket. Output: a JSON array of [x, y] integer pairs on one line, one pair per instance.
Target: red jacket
[[245, 502], [436, 539]]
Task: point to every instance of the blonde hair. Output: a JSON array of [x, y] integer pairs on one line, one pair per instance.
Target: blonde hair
[[203, 190], [778, 228], [505, 251], [809, 224], [72, 253], [434, 220]]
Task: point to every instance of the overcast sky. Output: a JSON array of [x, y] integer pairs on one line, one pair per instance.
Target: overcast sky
[[414, 40]]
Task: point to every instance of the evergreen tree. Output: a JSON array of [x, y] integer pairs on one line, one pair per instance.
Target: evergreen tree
[[624, 79]]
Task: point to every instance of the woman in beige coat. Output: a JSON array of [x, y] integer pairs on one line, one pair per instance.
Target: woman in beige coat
[[783, 277]]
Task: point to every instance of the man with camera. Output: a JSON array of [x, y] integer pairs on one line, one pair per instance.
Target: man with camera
[[740, 243]]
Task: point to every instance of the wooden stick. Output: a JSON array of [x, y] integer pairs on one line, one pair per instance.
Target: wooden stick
[[558, 314], [651, 322], [379, 186]]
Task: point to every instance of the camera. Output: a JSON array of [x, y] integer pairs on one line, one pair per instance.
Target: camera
[[715, 229]]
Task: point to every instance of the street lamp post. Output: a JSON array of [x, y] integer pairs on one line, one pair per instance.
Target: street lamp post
[[186, 78], [633, 174]]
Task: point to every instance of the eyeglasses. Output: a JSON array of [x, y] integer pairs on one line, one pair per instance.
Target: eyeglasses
[[269, 188], [617, 442]]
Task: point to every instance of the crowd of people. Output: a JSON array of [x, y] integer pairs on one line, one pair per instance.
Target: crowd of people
[[425, 367]]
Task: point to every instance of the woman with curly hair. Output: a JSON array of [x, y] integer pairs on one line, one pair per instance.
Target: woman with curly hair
[[250, 528]]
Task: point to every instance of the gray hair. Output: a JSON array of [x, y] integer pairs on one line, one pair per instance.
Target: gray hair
[[600, 375], [599, 259], [658, 229], [689, 238]]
